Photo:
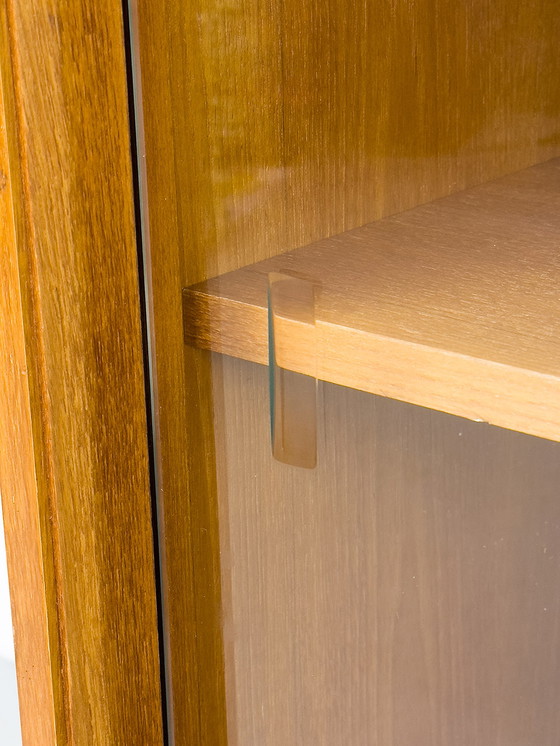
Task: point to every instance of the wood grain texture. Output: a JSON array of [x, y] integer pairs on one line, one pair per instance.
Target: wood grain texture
[[182, 392], [404, 592], [452, 305], [265, 125], [18, 487], [78, 275], [276, 124]]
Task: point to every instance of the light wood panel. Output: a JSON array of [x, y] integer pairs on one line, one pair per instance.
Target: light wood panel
[[452, 305], [77, 264], [265, 125], [404, 592]]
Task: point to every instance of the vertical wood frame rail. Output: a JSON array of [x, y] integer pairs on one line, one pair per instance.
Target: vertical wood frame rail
[[74, 471]]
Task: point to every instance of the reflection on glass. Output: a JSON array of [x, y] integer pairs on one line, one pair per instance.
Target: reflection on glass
[[293, 396]]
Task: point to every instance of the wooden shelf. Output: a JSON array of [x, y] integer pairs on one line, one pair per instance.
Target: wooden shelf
[[454, 305]]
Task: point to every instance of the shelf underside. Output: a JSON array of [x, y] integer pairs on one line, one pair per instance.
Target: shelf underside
[[454, 305]]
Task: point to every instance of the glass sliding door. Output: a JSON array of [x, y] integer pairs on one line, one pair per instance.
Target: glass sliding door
[[350, 219]]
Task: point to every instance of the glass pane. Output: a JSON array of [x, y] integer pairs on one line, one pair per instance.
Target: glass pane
[[350, 218], [293, 396]]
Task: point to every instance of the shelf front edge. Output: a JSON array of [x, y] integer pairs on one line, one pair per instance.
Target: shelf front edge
[[481, 390]]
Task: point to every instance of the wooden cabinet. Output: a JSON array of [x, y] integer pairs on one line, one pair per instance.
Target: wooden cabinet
[[399, 158]]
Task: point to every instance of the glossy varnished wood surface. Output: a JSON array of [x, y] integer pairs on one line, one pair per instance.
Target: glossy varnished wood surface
[[404, 592], [28, 586], [280, 123], [264, 126], [183, 406], [80, 303], [452, 305]]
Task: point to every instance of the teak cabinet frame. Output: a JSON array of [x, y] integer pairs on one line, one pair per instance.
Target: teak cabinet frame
[[74, 466]]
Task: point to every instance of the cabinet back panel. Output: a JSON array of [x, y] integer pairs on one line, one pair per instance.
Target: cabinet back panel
[[276, 123], [404, 592]]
